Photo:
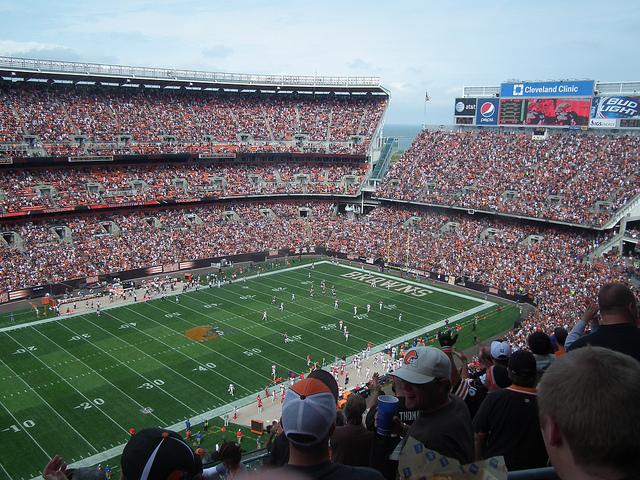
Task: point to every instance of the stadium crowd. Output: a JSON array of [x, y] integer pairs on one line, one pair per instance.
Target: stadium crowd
[[576, 178], [563, 177], [64, 120], [37, 189]]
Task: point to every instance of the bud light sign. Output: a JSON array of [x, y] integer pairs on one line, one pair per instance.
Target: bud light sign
[[487, 112], [614, 107]]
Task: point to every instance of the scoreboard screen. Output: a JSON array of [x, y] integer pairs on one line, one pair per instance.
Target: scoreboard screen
[[512, 112], [630, 122], [464, 120]]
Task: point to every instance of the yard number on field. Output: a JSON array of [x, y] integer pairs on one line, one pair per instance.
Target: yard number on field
[[16, 429], [206, 367], [80, 337], [25, 350], [151, 384], [87, 405]]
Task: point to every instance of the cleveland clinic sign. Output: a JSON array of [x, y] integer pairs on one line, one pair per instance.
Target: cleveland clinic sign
[[582, 88]]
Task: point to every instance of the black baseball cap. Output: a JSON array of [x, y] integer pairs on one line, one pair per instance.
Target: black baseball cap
[[157, 454]]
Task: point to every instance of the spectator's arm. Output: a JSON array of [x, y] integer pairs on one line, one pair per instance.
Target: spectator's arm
[[56, 469], [446, 343], [377, 390], [590, 316], [484, 355], [214, 472], [464, 371], [479, 440]]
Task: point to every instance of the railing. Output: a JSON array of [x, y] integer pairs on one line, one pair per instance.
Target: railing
[[256, 460], [383, 161], [48, 66]]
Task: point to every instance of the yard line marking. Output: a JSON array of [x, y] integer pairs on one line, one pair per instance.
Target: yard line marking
[[227, 339], [390, 327], [26, 431], [117, 361], [48, 405], [156, 360], [403, 334]]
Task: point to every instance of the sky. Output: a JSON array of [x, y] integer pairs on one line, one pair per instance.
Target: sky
[[414, 47]]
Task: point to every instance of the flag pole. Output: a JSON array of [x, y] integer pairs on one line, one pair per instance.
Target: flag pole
[[424, 114]]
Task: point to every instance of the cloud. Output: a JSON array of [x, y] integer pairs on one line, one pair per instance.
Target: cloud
[[400, 87], [359, 64], [216, 51], [38, 51]]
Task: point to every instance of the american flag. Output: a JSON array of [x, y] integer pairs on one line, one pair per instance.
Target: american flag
[[427, 97]]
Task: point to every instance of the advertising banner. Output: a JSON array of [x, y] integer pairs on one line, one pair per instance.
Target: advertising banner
[[603, 123], [614, 107], [487, 113], [577, 88], [465, 107]]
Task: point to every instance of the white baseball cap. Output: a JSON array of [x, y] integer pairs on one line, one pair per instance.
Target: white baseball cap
[[424, 364], [500, 350]]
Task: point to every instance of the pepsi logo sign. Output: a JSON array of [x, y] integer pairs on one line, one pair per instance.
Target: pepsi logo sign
[[487, 109]]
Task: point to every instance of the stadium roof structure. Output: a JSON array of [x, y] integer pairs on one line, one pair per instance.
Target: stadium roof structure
[[23, 69], [600, 88]]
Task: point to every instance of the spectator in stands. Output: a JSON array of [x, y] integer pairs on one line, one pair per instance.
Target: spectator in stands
[[592, 433], [507, 422], [543, 351], [500, 352], [384, 445], [443, 423], [157, 453], [308, 418], [560, 337], [351, 444], [56, 469], [471, 391], [278, 446], [230, 456], [619, 329]]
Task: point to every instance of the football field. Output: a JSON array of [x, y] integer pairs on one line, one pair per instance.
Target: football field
[[74, 385]]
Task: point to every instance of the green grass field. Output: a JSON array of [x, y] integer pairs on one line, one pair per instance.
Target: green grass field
[[76, 385]]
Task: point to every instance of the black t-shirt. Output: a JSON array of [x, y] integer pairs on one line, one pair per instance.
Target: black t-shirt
[[509, 418], [279, 454]]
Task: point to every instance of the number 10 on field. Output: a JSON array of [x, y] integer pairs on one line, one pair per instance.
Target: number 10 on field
[[16, 429]]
